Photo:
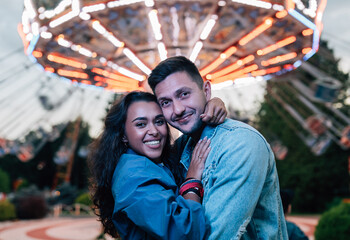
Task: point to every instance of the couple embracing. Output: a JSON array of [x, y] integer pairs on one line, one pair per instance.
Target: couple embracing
[[216, 181]]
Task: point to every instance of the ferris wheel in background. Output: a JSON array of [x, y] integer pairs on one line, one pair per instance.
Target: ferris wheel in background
[[115, 44]]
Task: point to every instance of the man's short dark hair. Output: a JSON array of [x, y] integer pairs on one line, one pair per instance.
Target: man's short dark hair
[[173, 65], [287, 196]]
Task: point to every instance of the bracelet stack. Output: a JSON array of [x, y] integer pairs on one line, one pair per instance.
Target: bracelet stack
[[192, 185]]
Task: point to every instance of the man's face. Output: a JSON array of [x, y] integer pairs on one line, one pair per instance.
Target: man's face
[[182, 101]]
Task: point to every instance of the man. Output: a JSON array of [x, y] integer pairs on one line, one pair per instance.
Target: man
[[294, 232], [241, 189]]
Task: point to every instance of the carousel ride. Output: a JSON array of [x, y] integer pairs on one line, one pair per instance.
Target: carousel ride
[[114, 45]]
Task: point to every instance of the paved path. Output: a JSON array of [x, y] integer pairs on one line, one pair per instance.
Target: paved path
[[51, 229], [69, 228]]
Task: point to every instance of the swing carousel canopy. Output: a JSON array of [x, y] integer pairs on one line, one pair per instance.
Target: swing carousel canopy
[[115, 44]]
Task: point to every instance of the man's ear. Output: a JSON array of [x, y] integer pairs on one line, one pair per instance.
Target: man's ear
[[207, 90]]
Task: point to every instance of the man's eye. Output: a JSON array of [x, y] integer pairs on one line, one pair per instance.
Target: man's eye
[[164, 103], [184, 94]]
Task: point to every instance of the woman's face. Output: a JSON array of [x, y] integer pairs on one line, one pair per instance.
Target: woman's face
[[145, 129]]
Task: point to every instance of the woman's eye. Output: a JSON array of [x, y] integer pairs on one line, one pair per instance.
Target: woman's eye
[[140, 124], [160, 122]]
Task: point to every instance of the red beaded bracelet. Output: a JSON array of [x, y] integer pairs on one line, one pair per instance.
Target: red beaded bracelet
[[192, 184]]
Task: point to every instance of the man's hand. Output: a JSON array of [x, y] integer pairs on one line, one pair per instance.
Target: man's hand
[[215, 111]]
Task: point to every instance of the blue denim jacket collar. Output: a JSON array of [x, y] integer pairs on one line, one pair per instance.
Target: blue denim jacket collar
[[208, 132]]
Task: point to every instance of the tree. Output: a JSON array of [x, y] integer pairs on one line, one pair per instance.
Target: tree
[[316, 179]]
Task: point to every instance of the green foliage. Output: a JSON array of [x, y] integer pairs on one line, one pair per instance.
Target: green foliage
[[316, 180], [84, 198], [334, 224], [41, 170], [4, 182], [7, 210]]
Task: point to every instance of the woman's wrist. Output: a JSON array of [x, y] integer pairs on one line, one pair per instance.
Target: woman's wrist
[[192, 186]]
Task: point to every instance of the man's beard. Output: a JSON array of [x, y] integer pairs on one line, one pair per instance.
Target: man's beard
[[194, 129]]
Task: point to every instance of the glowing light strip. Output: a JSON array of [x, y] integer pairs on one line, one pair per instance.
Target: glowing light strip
[[94, 8], [236, 74], [319, 15], [309, 54], [126, 86], [37, 54], [23, 37], [32, 44], [85, 52], [63, 42], [277, 45], [257, 31], [109, 81], [136, 61], [297, 64], [74, 74], [223, 56], [126, 72], [316, 39], [265, 71], [109, 36], [59, 9], [255, 3], [30, 8], [245, 81], [307, 32], [311, 11], [163, 54], [302, 19], [84, 16], [277, 7], [197, 48], [149, 3], [63, 19], [222, 85], [306, 50], [290, 5], [208, 27], [119, 3], [311, 25], [46, 35], [278, 59], [232, 67], [77, 48], [281, 14], [114, 76], [153, 17], [66, 61]]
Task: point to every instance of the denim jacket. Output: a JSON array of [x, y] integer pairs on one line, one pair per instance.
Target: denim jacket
[[147, 205], [241, 187]]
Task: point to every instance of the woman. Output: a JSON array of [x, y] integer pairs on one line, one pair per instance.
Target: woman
[[135, 192]]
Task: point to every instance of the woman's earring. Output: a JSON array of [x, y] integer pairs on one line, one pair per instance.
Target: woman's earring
[[125, 141]]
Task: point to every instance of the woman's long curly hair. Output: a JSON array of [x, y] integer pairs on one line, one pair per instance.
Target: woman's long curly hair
[[105, 152]]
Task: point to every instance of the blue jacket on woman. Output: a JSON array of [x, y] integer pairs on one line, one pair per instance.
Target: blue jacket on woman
[[147, 204]]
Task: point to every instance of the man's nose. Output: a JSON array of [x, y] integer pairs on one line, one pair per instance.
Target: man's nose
[[178, 108]]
